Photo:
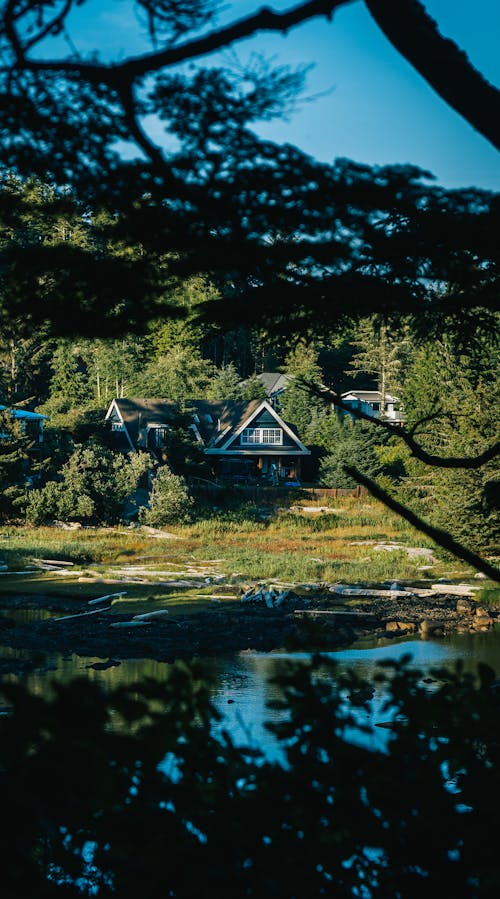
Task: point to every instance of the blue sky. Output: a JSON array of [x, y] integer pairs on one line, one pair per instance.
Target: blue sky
[[379, 110], [370, 105]]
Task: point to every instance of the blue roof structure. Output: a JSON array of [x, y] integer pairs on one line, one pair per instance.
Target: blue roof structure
[[23, 414]]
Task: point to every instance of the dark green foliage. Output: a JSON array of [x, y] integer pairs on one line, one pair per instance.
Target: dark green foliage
[[140, 792], [253, 389], [15, 447], [68, 382], [452, 402], [92, 487], [289, 242], [350, 443], [299, 404], [278, 240], [180, 374], [226, 385], [169, 501]]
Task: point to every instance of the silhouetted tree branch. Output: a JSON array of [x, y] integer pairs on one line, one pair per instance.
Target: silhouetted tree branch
[[440, 537], [265, 19], [407, 436], [441, 62]]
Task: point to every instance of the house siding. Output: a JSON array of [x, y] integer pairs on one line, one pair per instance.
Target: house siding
[[264, 420]]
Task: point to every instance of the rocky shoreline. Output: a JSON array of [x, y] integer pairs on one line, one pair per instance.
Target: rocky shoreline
[[313, 617]]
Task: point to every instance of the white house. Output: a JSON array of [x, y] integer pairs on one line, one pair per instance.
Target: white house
[[372, 403]]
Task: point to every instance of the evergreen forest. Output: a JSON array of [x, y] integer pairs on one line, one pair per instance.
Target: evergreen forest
[[156, 242], [446, 385]]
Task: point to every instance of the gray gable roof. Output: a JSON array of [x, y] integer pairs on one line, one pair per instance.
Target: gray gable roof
[[273, 381], [216, 422], [135, 413], [215, 418]]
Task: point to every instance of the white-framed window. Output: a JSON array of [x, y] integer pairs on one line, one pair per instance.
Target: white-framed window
[[117, 426], [262, 435]]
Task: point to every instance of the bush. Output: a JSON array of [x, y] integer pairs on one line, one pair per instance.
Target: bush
[[170, 501], [354, 444], [93, 487]]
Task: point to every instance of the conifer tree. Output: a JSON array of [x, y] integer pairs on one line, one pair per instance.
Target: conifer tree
[[298, 405], [380, 355], [68, 384], [15, 444], [253, 388], [226, 384]]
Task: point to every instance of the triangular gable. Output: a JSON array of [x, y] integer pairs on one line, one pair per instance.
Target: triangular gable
[[114, 414], [256, 412]]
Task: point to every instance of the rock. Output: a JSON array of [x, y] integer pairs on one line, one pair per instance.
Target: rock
[[408, 627], [481, 612], [482, 620], [465, 607], [430, 628]]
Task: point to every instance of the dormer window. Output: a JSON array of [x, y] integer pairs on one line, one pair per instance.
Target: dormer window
[[158, 434]]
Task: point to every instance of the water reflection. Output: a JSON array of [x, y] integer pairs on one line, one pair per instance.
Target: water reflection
[[244, 685]]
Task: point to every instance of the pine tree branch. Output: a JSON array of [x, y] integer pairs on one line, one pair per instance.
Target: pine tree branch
[[442, 538], [265, 19], [444, 66], [53, 27]]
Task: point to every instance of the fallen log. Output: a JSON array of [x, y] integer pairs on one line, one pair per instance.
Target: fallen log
[[81, 614], [106, 598], [455, 589], [59, 562], [341, 590], [150, 616]]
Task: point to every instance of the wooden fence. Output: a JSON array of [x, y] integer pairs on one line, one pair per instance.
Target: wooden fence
[[264, 493]]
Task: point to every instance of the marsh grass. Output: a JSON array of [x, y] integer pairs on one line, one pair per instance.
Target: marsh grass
[[241, 544]]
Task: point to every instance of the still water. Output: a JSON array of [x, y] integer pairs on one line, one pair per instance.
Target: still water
[[243, 681]]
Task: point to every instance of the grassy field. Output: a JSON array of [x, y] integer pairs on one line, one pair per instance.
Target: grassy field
[[354, 541]]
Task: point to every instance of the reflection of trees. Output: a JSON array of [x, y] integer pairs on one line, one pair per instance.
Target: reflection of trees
[[164, 799]]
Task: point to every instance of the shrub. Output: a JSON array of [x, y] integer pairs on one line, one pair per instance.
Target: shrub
[[169, 502], [93, 487]]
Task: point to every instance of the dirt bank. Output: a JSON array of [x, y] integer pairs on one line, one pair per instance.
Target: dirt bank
[[320, 621]]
